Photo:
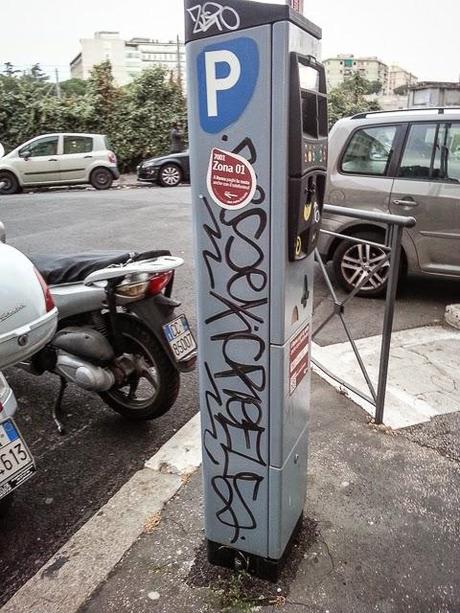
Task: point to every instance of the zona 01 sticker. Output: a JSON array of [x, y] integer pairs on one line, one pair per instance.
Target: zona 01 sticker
[[231, 180]]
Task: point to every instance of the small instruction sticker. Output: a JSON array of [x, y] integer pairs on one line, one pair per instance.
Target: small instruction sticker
[[299, 359], [231, 180]]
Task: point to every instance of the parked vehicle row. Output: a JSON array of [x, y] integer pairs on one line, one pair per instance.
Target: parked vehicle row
[[53, 160]]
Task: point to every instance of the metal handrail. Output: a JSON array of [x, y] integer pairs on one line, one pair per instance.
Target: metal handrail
[[395, 225]]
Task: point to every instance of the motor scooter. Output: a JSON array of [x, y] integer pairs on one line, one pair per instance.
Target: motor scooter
[[118, 334]]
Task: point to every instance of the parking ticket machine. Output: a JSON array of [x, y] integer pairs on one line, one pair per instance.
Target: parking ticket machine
[[258, 150]]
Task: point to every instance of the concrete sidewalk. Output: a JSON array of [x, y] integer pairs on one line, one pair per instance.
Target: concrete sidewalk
[[381, 533], [423, 376], [381, 530]]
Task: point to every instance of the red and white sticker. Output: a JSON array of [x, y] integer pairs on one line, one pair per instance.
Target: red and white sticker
[[299, 358], [231, 180], [297, 5]]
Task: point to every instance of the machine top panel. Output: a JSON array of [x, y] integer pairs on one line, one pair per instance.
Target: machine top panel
[[204, 19]]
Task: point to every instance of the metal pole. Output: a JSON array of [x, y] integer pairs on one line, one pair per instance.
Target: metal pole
[[58, 84], [395, 237], [179, 65]]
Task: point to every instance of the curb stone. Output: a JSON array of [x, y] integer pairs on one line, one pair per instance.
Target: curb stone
[[452, 315]]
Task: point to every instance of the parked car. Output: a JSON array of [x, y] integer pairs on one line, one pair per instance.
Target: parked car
[[59, 159], [28, 320], [402, 162], [167, 170]]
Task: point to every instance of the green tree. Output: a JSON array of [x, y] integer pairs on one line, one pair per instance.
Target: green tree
[[104, 99], [137, 118], [402, 90], [37, 73], [349, 98], [74, 87], [151, 104], [375, 87], [9, 70]]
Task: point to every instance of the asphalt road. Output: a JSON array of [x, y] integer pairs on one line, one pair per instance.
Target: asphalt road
[[79, 472]]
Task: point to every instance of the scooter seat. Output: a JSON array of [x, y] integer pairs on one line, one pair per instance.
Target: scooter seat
[[72, 268]]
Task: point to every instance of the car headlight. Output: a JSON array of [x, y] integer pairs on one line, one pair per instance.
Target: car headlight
[[148, 164]]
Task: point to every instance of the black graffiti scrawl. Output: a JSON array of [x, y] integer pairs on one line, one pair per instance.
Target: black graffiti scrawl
[[235, 433]]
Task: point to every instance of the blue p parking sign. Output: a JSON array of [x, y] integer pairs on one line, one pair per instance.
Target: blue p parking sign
[[227, 76]]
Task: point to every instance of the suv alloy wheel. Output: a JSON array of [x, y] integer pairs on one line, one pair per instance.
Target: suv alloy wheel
[[352, 261]]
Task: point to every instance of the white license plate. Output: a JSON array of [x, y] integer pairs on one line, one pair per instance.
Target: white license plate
[[180, 338], [16, 462]]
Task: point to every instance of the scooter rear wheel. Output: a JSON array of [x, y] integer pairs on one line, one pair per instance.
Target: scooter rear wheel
[[152, 391]]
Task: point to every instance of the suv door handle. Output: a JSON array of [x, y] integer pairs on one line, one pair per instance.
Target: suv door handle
[[87, 157], [52, 160], [405, 202]]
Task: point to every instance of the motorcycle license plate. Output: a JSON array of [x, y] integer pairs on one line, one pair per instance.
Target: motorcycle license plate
[[16, 462], [180, 338]]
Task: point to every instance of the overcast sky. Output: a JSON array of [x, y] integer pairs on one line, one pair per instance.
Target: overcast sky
[[421, 36]]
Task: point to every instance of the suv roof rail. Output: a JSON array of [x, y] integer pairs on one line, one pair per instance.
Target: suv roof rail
[[440, 110]]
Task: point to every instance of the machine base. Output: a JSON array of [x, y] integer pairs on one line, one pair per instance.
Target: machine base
[[263, 568]]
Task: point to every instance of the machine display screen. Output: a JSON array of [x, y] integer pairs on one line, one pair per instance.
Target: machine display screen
[[308, 77]]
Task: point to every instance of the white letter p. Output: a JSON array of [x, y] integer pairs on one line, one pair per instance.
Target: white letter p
[[213, 84]]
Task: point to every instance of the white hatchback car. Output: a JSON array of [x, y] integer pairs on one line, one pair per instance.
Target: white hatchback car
[[28, 320], [59, 159]]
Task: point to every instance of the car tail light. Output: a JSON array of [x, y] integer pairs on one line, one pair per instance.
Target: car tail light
[[112, 157], [49, 302], [159, 282]]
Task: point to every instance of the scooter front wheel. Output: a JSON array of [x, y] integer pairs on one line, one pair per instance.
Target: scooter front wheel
[[152, 390]]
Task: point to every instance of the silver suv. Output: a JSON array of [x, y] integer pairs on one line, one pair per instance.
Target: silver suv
[[59, 159], [402, 162]]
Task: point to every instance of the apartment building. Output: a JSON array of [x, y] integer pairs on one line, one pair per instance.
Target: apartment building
[[128, 58], [340, 68], [399, 77]]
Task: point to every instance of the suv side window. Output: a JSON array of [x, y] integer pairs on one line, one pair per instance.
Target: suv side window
[[418, 154], [369, 151], [432, 152], [447, 160], [41, 147], [77, 144]]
